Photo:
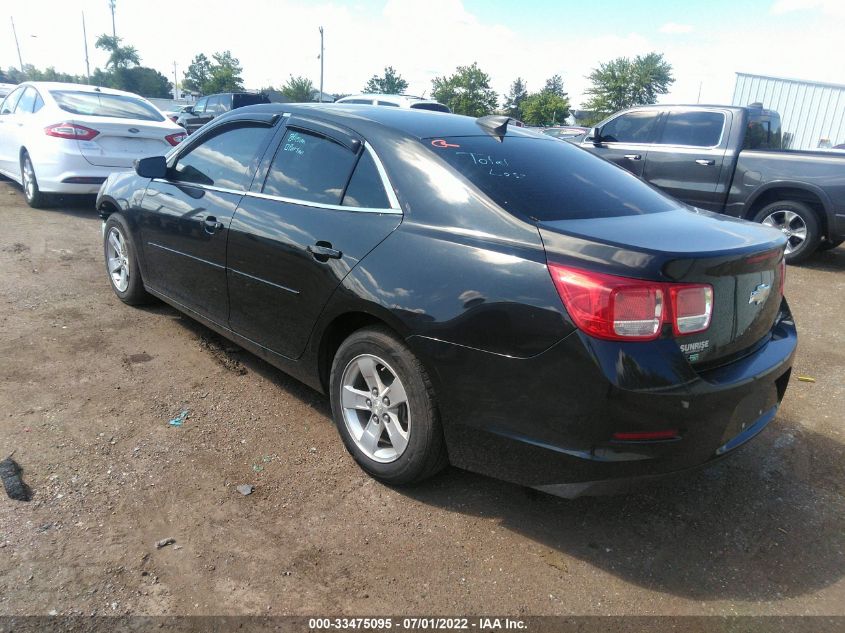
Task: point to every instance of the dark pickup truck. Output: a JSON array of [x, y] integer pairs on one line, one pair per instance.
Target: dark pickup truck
[[730, 159], [194, 117]]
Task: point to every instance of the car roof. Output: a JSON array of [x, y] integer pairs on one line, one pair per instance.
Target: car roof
[[59, 85], [388, 97], [367, 119]]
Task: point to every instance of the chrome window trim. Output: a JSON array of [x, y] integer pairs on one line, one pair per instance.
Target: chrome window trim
[[394, 209]]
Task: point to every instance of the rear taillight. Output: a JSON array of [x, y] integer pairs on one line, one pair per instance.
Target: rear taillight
[[175, 139], [71, 131], [623, 309], [692, 307]]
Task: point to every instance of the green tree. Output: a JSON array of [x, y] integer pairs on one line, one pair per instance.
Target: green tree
[[623, 82], [225, 74], [466, 92], [299, 89], [147, 82], [554, 85], [515, 97], [119, 56], [391, 83], [198, 74], [545, 108]]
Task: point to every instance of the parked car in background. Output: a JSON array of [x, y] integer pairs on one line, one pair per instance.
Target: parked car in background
[[173, 115], [206, 108], [571, 133], [464, 290], [395, 101], [67, 138], [730, 159], [6, 89]]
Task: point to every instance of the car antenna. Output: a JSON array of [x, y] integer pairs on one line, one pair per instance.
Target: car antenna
[[494, 124]]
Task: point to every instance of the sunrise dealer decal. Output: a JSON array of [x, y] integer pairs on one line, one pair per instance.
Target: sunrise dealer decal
[[694, 350]]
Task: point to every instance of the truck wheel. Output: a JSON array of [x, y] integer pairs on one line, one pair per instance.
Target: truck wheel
[[827, 245], [799, 224], [384, 407]]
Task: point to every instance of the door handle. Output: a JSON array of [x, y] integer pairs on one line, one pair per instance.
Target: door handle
[[633, 156], [706, 162], [323, 251], [211, 225]]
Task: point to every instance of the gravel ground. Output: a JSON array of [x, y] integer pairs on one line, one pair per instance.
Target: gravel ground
[[87, 386]]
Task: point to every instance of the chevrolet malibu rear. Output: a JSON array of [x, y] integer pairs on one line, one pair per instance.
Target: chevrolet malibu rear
[[67, 138], [466, 292]]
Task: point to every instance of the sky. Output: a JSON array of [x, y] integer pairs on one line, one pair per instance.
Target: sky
[[706, 41]]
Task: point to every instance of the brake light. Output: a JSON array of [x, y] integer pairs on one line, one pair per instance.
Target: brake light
[[71, 131], [175, 139], [692, 307], [618, 308]]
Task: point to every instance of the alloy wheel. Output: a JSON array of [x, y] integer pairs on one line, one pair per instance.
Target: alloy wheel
[[791, 225], [375, 408], [28, 179], [116, 259]]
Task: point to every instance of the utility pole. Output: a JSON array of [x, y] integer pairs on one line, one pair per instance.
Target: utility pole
[[85, 39], [112, 4], [17, 44], [175, 83], [321, 64], [700, 83]]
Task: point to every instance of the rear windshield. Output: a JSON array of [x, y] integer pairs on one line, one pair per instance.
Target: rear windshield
[[435, 107], [101, 104], [240, 101], [545, 179]]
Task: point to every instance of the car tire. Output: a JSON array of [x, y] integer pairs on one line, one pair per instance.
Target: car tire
[[827, 245], [31, 192], [798, 222], [122, 262], [404, 443]]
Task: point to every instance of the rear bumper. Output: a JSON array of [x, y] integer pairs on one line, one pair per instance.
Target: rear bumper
[[58, 162], [548, 421]]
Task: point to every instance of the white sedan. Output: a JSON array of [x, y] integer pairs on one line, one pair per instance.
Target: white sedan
[[67, 138]]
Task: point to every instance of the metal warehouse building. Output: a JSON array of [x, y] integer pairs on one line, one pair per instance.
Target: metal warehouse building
[[812, 113]]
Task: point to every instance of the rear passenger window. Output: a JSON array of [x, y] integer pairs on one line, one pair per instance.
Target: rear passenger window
[[387, 103], [696, 129], [225, 160], [309, 167], [39, 102], [365, 189]]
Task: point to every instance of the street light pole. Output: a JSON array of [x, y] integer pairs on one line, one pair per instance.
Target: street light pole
[[321, 64], [85, 39], [17, 44], [112, 4]]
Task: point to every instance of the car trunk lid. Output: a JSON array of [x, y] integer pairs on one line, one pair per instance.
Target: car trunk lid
[[743, 262], [121, 141]]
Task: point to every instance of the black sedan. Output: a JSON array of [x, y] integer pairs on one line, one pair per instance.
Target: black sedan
[[465, 292]]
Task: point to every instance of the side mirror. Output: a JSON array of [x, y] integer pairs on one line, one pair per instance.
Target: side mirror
[[188, 109], [595, 135], [151, 167]]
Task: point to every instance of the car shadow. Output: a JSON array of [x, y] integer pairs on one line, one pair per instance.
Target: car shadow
[[827, 261], [765, 524]]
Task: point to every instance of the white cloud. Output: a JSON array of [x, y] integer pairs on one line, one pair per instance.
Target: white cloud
[[675, 28], [827, 7]]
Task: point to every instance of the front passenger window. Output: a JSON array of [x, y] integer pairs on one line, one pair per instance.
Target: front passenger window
[[633, 127], [225, 160]]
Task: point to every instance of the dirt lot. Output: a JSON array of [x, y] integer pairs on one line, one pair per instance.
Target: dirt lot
[[87, 386]]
